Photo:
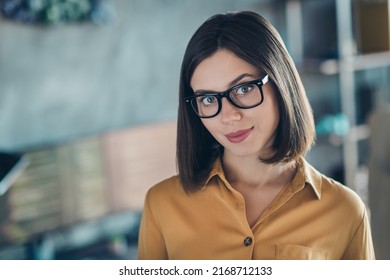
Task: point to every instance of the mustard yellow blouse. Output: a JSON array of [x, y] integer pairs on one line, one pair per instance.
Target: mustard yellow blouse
[[313, 218]]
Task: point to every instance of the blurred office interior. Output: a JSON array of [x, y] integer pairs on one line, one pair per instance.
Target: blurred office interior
[[88, 104]]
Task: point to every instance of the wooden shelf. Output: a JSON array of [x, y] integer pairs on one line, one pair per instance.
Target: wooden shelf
[[354, 63]]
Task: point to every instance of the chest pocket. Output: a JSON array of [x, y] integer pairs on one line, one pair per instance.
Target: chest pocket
[[297, 252]]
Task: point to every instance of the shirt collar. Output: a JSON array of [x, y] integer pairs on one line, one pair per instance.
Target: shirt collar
[[216, 170], [306, 176]]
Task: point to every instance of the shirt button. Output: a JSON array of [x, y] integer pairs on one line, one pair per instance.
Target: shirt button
[[247, 241]]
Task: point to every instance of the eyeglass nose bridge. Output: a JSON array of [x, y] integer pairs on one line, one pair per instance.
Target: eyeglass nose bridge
[[225, 94]]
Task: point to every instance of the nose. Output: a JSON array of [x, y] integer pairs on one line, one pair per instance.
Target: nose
[[229, 113]]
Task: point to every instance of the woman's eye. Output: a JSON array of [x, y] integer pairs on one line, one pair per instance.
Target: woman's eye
[[244, 89], [208, 100]]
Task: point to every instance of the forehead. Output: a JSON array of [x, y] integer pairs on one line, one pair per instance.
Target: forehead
[[219, 70]]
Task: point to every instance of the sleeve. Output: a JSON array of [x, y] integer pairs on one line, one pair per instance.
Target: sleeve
[[361, 246], [151, 245]]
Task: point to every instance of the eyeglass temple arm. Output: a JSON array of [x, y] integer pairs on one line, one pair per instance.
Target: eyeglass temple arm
[[265, 79]]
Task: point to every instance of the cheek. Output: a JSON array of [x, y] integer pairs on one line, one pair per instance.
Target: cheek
[[211, 126], [271, 108], [208, 125], [272, 119]]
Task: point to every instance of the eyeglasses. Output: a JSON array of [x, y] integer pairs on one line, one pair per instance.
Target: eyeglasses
[[245, 96]]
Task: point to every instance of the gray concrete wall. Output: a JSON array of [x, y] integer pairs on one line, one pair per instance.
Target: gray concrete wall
[[70, 81]]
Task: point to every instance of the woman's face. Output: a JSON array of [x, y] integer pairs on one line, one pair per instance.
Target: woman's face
[[242, 132]]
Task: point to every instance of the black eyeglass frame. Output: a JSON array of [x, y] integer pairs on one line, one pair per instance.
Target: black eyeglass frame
[[219, 95]]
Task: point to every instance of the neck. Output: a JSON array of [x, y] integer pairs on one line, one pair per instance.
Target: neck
[[252, 172]]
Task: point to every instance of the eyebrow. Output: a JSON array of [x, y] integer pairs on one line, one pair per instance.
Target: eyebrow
[[230, 85]]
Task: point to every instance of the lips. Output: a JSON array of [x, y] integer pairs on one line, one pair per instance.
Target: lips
[[239, 135]]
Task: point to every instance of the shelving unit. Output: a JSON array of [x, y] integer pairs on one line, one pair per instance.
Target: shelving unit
[[345, 67]]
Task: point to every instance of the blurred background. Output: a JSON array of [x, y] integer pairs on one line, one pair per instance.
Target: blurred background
[[88, 106]]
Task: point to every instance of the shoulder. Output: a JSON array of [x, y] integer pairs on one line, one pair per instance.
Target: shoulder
[[334, 193], [166, 189], [342, 193]]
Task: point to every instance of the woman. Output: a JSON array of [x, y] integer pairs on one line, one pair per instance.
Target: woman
[[244, 190]]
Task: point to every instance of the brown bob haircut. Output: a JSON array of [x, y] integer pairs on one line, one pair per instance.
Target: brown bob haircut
[[252, 38]]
